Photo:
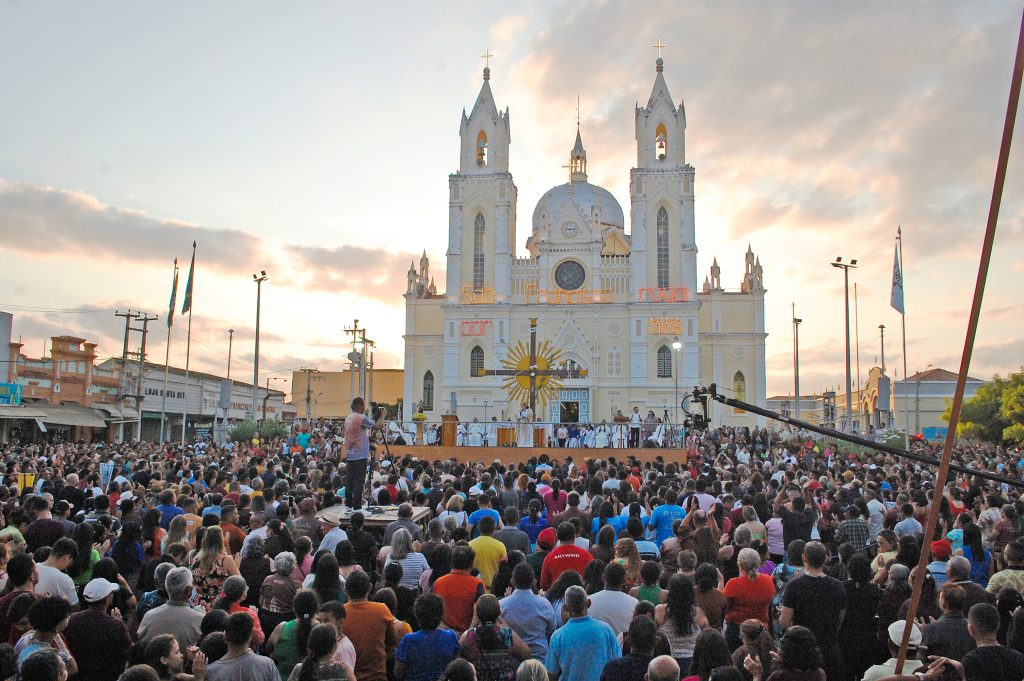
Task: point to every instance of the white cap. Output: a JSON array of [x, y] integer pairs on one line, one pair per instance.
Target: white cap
[[98, 589], [126, 496], [896, 633]]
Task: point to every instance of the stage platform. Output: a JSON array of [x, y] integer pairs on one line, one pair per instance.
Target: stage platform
[[522, 455]]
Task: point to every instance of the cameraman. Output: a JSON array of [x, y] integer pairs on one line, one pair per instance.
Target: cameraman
[[357, 451]]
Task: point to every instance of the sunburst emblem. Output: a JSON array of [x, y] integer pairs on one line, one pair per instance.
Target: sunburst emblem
[[518, 360]]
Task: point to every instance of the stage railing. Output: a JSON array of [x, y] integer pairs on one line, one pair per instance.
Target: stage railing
[[505, 434]]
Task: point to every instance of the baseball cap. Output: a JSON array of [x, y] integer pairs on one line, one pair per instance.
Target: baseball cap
[[546, 539], [98, 589], [941, 550], [896, 633]]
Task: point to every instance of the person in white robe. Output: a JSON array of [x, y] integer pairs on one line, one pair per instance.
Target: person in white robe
[[460, 435], [476, 434], [602, 436], [492, 432], [657, 438], [524, 426]]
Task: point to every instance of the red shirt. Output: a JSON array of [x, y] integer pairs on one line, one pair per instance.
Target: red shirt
[[459, 591], [563, 558], [748, 599]]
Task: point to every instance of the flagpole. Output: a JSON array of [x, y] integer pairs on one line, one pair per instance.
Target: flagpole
[[188, 340], [167, 350], [903, 324]]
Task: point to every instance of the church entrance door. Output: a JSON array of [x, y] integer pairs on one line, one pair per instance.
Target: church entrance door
[[572, 406]]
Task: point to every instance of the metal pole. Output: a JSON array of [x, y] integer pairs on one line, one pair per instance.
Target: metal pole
[[856, 342], [140, 394], [903, 324], [796, 359], [881, 328], [163, 399], [972, 328], [259, 279], [231, 341], [849, 377]]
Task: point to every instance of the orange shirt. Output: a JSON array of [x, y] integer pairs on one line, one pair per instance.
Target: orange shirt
[[459, 591], [370, 627]]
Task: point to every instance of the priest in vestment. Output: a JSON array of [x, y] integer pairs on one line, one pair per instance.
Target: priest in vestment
[[524, 426]]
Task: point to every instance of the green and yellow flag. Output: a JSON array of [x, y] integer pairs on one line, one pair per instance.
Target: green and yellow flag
[[187, 304]]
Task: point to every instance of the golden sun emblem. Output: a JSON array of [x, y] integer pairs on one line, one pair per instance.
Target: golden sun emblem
[[518, 360]]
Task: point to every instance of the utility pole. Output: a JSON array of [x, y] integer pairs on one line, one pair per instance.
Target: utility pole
[[309, 391], [369, 386], [258, 280], [357, 360], [140, 393], [129, 317], [796, 359]]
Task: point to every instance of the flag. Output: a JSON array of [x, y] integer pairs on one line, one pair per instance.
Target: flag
[[896, 300], [186, 305], [174, 294]]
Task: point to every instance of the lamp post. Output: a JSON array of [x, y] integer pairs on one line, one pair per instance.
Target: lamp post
[[259, 279], [846, 267], [676, 347], [796, 360], [231, 341]]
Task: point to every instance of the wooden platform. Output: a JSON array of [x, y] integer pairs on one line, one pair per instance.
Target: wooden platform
[[516, 455]]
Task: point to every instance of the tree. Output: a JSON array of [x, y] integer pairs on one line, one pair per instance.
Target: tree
[[995, 413]]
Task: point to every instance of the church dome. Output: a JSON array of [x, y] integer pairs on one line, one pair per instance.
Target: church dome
[[591, 201]]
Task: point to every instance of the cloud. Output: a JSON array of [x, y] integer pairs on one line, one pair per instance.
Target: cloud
[[369, 272], [43, 220]]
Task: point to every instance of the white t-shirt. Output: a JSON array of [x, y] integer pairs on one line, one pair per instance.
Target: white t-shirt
[[613, 607], [53, 582]]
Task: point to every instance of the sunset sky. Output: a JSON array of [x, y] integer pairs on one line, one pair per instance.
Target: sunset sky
[[314, 140]]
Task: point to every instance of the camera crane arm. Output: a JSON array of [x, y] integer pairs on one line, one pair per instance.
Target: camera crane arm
[[713, 393]]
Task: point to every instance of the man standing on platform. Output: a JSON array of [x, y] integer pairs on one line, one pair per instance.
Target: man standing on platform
[[635, 421], [357, 451], [524, 426]]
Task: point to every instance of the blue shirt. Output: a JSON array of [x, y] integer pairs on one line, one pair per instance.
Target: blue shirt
[[908, 526], [360, 449], [168, 513], [617, 523], [476, 516], [426, 653], [662, 519], [532, 617], [580, 649]]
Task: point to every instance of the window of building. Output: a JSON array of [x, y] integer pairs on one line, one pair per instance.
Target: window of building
[[478, 251], [428, 391], [739, 390], [664, 362], [476, 361], [662, 248], [661, 142], [614, 361], [481, 148]]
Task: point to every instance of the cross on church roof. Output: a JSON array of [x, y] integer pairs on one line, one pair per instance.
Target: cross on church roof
[[659, 45], [487, 58]]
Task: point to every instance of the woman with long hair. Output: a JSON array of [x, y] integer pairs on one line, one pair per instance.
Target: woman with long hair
[[277, 592], [287, 643], [212, 565], [413, 563], [758, 644], [887, 545], [800, 659], [710, 651], [128, 553], [255, 566], [748, 596], [345, 553], [80, 569], [604, 548], [177, 533], [326, 580], [152, 533], [533, 523], [708, 596], [319, 663], [627, 555], [974, 550], [303, 558], [556, 594], [858, 632], [493, 648], [279, 538], [705, 546], [164, 655], [680, 620], [124, 598], [593, 576], [230, 600]]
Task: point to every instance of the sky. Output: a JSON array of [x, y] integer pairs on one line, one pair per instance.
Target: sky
[[314, 140]]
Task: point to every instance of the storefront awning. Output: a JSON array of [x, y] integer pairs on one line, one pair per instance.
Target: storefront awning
[[70, 415], [116, 415], [8, 411]]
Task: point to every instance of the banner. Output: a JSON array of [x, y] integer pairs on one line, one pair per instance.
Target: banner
[[106, 473], [896, 300], [10, 393], [174, 295]]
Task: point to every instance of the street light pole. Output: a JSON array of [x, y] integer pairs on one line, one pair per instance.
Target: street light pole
[[881, 329], [231, 341], [259, 279], [846, 267], [796, 360], [676, 347]]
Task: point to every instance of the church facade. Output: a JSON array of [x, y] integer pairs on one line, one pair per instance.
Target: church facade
[[620, 309]]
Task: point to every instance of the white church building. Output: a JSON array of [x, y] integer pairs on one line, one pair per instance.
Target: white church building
[[622, 305]]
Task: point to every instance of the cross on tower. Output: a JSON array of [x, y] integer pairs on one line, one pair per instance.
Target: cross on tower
[[532, 370], [659, 45], [487, 58]]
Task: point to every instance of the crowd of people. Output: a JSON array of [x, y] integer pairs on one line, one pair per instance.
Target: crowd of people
[[744, 555]]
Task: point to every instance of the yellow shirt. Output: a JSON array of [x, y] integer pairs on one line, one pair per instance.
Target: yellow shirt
[[489, 552]]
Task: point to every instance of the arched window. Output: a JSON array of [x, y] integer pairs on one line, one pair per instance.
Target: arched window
[[739, 390], [476, 361], [661, 142], [428, 391], [481, 148], [614, 361], [478, 252], [664, 362], [662, 239]]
